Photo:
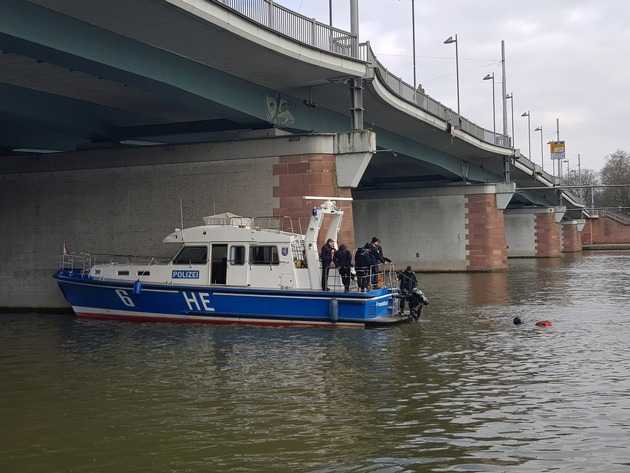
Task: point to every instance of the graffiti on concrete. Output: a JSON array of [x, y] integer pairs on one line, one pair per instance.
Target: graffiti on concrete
[[278, 111]]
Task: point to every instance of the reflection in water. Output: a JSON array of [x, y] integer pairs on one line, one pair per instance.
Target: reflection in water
[[463, 390]]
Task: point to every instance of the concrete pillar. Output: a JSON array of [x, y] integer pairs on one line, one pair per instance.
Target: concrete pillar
[[533, 232], [571, 238], [450, 228]]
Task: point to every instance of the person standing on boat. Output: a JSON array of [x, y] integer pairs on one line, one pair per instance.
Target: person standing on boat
[[408, 282], [326, 256], [363, 261], [377, 254], [343, 263]]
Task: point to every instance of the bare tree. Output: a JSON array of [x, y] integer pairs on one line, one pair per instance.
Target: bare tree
[[616, 171], [587, 177]]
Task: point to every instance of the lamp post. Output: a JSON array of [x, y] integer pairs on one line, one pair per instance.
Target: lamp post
[[529, 133], [330, 12], [542, 152], [454, 40], [510, 97], [413, 30], [494, 107]]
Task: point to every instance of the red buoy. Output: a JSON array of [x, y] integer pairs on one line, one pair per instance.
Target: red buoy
[[543, 323]]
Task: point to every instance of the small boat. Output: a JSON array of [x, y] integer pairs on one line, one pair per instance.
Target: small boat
[[231, 270]]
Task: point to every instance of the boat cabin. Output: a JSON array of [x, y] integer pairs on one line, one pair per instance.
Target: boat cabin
[[235, 251]]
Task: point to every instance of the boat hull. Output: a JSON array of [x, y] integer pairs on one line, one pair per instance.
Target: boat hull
[[122, 300]]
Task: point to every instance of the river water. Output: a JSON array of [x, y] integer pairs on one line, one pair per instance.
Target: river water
[[463, 390]]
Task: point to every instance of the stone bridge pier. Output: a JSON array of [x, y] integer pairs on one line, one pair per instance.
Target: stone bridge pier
[[449, 228], [534, 232]]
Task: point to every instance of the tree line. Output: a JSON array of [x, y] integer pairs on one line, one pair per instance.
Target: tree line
[[616, 171]]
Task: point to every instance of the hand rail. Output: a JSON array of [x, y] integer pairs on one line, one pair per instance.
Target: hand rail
[[295, 26]]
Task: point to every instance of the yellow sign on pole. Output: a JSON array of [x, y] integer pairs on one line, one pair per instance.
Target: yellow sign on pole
[[557, 149]]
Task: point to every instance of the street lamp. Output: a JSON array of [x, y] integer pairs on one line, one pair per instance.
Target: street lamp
[[494, 115], [413, 29], [529, 133], [330, 12], [453, 40], [510, 97], [542, 152]]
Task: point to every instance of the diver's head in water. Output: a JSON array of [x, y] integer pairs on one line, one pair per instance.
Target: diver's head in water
[[517, 321]]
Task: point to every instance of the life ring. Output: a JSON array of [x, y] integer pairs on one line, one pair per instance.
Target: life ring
[[543, 323]]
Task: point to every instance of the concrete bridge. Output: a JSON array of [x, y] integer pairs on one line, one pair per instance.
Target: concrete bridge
[[112, 112]]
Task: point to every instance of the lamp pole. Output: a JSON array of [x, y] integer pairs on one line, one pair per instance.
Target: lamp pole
[[330, 13], [510, 97], [494, 107], [580, 172], [413, 30], [529, 133], [542, 152], [354, 26], [504, 88], [454, 40]]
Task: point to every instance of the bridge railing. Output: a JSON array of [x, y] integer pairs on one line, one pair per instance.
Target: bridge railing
[[296, 26], [406, 91], [313, 33]]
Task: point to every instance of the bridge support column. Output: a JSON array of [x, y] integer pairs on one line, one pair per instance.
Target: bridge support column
[[533, 232], [571, 238], [450, 228]]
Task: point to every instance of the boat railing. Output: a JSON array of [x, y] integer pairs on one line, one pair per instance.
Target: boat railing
[[280, 223], [75, 263], [373, 277], [81, 263]]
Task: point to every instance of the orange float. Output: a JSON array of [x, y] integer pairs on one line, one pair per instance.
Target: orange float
[[543, 323]]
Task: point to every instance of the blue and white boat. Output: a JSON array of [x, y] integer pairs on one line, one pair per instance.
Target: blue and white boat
[[231, 270]]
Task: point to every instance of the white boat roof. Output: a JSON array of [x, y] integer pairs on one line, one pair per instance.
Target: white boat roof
[[229, 234]]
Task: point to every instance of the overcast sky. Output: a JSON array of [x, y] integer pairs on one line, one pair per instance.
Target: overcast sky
[[565, 58]]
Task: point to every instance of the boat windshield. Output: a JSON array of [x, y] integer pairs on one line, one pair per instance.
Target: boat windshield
[[192, 255]]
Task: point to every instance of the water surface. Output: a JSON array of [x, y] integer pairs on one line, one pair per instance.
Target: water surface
[[464, 390]]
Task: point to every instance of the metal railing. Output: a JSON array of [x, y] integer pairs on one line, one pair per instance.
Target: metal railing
[[373, 277], [311, 32], [617, 217], [82, 263], [278, 223], [406, 91], [295, 26]]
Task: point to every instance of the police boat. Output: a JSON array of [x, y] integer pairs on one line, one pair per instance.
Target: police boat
[[232, 270]]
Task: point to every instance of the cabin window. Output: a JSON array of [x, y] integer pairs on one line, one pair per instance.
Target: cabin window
[[123, 273], [237, 255], [144, 273], [192, 255], [263, 255]]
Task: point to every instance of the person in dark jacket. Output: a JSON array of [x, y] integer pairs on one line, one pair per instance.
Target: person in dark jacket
[[343, 263], [363, 261], [408, 282], [377, 255], [326, 256]]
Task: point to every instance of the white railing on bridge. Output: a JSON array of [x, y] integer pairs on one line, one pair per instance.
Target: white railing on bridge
[[313, 33], [295, 26]]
